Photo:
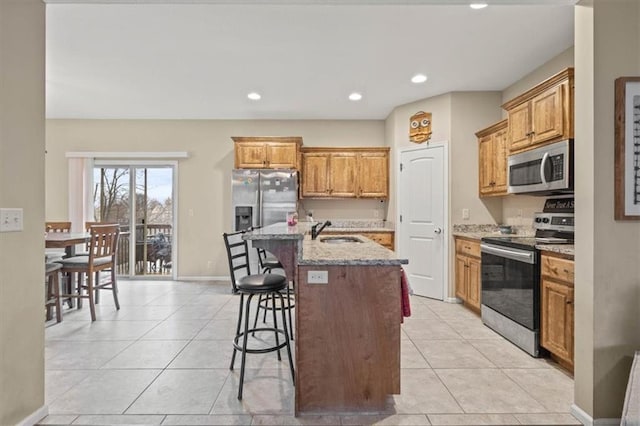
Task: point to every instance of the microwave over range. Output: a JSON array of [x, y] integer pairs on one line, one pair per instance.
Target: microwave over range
[[546, 170]]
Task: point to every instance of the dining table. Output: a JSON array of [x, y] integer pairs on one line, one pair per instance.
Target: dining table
[[66, 240]]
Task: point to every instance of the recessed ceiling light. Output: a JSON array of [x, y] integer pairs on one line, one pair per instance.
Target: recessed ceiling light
[[419, 78], [355, 96], [478, 5], [254, 96]]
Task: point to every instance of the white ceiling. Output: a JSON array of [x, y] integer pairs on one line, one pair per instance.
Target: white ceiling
[[199, 59]]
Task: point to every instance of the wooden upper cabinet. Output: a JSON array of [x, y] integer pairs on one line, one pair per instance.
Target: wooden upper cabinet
[[374, 175], [345, 172], [266, 152], [547, 116], [315, 174], [492, 167], [520, 127], [543, 114]]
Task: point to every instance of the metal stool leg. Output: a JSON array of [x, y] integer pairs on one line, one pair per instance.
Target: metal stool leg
[[244, 345], [255, 322], [286, 337], [233, 357], [275, 320]]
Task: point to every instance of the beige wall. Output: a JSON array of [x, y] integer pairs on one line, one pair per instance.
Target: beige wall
[[22, 53], [397, 134], [204, 178], [456, 117], [470, 112], [544, 71], [607, 267]]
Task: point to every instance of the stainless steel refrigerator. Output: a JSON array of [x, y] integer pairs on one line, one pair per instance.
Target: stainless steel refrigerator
[[261, 197]]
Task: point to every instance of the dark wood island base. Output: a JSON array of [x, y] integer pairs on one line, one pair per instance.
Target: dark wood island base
[[348, 339]]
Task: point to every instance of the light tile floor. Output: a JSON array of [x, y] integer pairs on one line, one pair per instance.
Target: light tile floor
[[164, 359]]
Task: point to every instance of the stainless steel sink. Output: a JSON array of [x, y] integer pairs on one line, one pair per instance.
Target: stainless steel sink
[[340, 240]]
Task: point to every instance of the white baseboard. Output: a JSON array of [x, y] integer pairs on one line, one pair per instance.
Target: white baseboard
[[606, 422], [35, 417], [581, 415], [587, 420], [205, 278], [452, 300]]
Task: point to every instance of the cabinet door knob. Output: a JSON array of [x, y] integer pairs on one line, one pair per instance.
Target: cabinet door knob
[[569, 302], [437, 230]]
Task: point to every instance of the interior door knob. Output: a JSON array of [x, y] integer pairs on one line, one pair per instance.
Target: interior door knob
[[438, 230]]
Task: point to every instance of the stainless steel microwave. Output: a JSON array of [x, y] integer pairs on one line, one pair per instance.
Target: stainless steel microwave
[[542, 171]]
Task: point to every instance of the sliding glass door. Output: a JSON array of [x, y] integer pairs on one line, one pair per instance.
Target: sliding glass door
[[141, 199]]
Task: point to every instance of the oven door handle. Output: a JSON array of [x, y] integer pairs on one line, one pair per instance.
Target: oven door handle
[[517, 255]]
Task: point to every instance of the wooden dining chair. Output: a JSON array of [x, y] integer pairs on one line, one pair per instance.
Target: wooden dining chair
[[57, 226], [52, 290], [102, 256]]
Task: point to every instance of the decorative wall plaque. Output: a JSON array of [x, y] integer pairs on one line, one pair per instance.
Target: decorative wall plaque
[[420, 127]]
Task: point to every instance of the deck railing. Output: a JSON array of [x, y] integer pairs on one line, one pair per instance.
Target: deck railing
[[158, 261]]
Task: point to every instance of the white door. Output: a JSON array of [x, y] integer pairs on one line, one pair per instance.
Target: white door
[[422, 219]]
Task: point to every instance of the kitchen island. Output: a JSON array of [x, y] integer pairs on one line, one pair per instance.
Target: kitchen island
[[348, 314]]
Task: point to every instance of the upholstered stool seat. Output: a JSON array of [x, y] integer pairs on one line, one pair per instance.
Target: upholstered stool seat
[[262, 283]]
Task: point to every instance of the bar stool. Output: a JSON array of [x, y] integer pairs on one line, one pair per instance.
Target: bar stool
[[251, 285]]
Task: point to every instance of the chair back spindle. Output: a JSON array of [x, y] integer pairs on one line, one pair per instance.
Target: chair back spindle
[[238, 256]]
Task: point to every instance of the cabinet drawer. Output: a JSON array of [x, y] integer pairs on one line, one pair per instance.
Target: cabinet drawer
[[382, 238], [470, 248], [560, 269]]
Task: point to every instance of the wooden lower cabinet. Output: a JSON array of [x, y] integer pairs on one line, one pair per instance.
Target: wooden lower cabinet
[[557, 309], [468, 275], [385, 239]]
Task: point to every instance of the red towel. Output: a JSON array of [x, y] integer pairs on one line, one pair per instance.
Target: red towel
[[405, 303]]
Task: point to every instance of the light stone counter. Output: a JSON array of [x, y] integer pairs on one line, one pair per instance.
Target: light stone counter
[[316, 252], [360, 225], [310, 252], [566, 249]]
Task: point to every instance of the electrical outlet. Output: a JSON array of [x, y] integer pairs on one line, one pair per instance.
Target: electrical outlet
[[465, 214], [318, 277], [11, 220], [210, 264], [376, 213], [519, 213]]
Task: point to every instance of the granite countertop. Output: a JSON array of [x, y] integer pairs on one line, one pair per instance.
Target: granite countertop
[[316, 252], [357, 225], [567, 249], [476, 232]]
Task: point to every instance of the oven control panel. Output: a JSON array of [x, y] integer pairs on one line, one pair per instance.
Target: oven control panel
[[554, 221]]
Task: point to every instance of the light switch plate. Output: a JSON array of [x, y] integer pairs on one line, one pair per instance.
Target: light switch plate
[[11, 220], [318, 277], [465, 214]]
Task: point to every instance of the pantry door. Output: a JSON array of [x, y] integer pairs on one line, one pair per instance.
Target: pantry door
[[422, 219]]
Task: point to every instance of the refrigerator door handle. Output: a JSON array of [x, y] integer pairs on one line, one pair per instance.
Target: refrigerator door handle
[[259, 212]]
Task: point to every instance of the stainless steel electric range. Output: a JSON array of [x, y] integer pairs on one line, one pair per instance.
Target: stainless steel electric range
[[511, 275]]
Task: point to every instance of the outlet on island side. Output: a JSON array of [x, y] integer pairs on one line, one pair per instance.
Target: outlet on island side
[[318, 277]]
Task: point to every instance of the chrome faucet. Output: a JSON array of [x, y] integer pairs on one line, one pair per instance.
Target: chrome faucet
[[315, 231]]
